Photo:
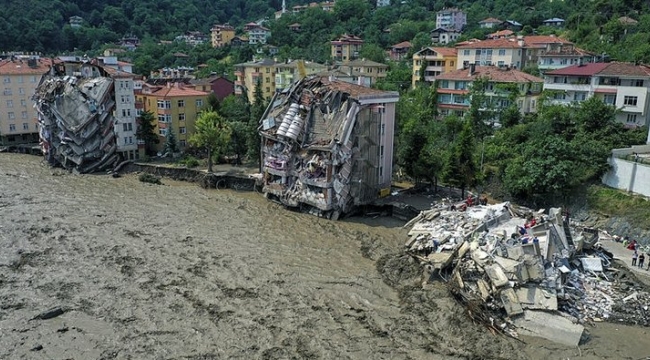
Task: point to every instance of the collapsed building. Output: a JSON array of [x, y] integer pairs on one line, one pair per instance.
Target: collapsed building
[[75, 103], [521, 272], [327, 146]]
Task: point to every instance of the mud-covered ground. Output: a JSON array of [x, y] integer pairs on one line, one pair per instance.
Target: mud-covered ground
[[177, 272]]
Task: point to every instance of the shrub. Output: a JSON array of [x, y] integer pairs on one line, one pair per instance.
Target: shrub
[[148, 178]]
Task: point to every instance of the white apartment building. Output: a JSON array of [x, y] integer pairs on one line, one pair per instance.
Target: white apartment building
[[624, 85], [498, 52], [451, 19]]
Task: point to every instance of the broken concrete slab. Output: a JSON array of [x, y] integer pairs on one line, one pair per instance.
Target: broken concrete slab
[[549, 326], [536, 298], [510, 302], [592, 264], [497, 275]]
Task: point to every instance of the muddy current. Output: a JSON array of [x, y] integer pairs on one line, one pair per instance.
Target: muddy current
[[174, 271]]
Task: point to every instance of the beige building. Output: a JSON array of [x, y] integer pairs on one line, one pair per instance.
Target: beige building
[[255, 73], [362, 72], [346, 48], [286, 74], [222, 35], [20, 76], [435, 60]]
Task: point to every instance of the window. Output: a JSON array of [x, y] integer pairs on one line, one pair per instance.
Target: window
[[630, 100], [21, 91], [23, 102], [7, 91], [268, 89], [25, 126], [23, 114], [130, 139], [127, 99], [124, 127], [181, 103], [164, 104], [199, 102], [12, 127], [631, 118], [609, 99], [6, 80], [383, 129], [127, 127], [267, 79], [460, 85], [637, 83], [126, 139], [444, 84], [579, 96], [451, 63], [466, 52], [33, 79], [164, 118], [182, 143], [162, 132], [502, 52], [19, 79], [11, 115], [181, 117], [181, 130]]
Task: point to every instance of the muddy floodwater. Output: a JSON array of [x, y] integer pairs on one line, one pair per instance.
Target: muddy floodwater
[[177, 272]]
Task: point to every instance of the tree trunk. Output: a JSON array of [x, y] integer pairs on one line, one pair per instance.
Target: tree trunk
[[209, 159]]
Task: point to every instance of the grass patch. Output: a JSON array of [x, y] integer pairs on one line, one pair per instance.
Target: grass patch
[[615, 202], [148, 178]]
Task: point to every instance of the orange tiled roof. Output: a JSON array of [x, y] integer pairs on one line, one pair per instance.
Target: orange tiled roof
[[501, 33], [491, 72], [402, 45], [544, 39], [510, 43], [490, 20], [20, 67], [178, 90]]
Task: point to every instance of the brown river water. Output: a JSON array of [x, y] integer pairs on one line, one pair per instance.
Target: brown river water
[[174, 271]]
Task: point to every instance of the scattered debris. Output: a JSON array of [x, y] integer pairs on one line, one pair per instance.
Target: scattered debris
[[37, 348], [327, 145], [149, 178], [524, 272], [75, 104], [50, 313]]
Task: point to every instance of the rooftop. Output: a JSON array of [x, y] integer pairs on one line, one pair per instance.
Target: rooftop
[[490, 20], [21, 67], [444, 51], [177, 90], [604, 69], [491, 72], [402, 45], [510, 43], [536, 40], [364, 62]]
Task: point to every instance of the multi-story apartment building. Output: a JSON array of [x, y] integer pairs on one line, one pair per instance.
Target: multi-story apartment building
[[537, 45], [564, 55], [125, 125], [362, 72], [346, 48], [254, 73], [20, 75], [435, 61], [500, 52], [222, 35], [453, 89], [287, 73], [444, 36], [258, 35], [451, 19], [176, 107], [623, 85]]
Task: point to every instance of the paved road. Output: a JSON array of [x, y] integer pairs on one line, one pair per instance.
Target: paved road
[[623, 254]]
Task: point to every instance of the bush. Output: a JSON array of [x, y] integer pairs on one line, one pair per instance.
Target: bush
[[191, 162], [148, 178]]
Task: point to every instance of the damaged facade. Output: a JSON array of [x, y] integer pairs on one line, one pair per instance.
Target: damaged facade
[[75, 104], [327, 145], [523, 273]]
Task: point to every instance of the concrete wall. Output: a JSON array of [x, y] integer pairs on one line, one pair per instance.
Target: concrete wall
[[628, 175]]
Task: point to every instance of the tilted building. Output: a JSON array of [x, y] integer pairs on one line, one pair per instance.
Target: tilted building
[[327, 145]]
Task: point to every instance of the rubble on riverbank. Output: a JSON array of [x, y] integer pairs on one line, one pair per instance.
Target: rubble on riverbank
[[520, 272]]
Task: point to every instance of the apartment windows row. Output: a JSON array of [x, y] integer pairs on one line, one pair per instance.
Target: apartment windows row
[[167, 104], [10, 103], [128, 140], [19, 79], [12, 127], [127, 126], [12, 115], [167, 118], [126, 112]]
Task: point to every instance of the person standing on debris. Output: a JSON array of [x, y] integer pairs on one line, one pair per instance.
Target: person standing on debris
[[641, 260], [634, 257]]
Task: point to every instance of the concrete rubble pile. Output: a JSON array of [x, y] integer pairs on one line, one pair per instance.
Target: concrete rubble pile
[[75, 105], [534, 275]]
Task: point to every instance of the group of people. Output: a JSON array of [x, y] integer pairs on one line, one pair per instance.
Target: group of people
[[637, 259]]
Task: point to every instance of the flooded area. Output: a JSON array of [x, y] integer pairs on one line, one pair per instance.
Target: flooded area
[[174, 271]]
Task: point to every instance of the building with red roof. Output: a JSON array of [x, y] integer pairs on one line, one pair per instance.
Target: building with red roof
[[454, 95], [400, 51], [431, 62], [623, 85]]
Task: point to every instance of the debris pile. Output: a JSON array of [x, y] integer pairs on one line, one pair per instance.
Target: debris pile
[[76, 117], [520, 272], [327, 145]]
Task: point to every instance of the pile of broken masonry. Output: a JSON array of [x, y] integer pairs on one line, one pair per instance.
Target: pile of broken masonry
[[527, 273]]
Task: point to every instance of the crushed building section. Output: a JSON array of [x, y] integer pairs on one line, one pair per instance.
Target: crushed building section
[[75, 104], [327, 145], [523, 272]]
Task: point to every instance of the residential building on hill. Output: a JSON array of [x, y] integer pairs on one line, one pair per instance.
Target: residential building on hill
[[363, 72], [435, 61], [537, 45], [623, 85], [451, 19], [346, 48], [554, 22], [287, 73], [444, 36], [222, 35], [258, 35], [218, 85], [557, 56], [252, 73], [20, 76], [499, 52], [490, 23], [453, 89], [193, 38], [176, 106], [399, 51]]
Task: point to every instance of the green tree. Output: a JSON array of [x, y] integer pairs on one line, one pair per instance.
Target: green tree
[[171, 145], [147, 132], [480, 111], [460, 168], [373, 52], [212, 133], [213, 102]]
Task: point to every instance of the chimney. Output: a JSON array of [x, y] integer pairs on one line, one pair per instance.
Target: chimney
[[472, 69]]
